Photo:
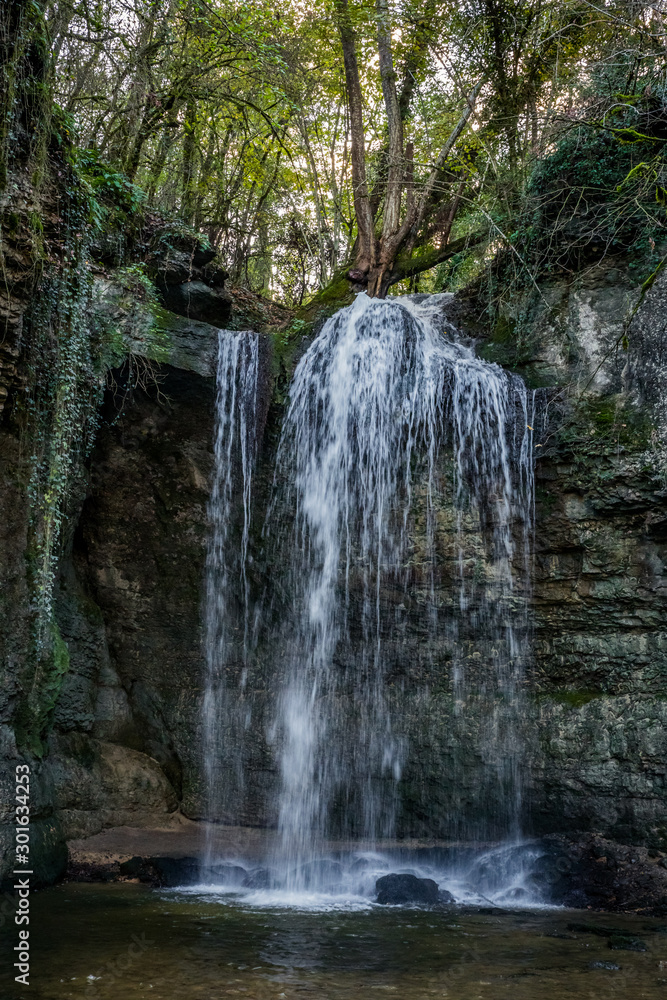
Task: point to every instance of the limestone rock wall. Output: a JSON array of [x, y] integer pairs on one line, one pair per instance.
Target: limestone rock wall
[[595, 712], [125, 746]]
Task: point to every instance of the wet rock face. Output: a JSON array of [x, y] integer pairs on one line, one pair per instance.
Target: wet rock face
[[199, 301], [397, 890], [126, 745], [594, 743], [591, 871], [139, 557], [105, 784], [647, 343], [193, 286], [600, 649]]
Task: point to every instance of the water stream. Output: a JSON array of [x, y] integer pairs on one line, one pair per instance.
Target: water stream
[[393, 425], [227, 593]]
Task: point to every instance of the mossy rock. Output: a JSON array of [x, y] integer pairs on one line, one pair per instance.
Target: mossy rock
[[39, 701]]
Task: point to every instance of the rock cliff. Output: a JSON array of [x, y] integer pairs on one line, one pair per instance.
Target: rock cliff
[[124, 745]]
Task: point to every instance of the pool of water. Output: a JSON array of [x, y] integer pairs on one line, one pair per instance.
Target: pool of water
[[125, 941]]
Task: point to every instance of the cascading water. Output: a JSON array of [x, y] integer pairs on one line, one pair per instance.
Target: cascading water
[[390, 421], [379, 389], [493, 418], [226, 625]]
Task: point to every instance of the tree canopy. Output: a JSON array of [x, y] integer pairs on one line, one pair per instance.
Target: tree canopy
[[395, 141]]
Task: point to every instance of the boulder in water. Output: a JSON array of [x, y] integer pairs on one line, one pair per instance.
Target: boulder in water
[[444, 896], [132, 867], [322, 872], [176, 871], [167, 872], [229, 874], [396, 890], [623, 942], [258, 878]]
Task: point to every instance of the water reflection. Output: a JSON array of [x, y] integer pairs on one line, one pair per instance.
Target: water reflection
[[125, 941]]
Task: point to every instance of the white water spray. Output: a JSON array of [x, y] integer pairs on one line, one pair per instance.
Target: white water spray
[[226, 635], [385, 400], [379, 392]]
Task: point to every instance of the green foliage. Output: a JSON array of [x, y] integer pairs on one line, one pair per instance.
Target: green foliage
[[591, 197], [66, 380], [134, 279], [36, 710], [25, 88], [176, 235], [63, 130], [297, 328], [334, 296], [113, 199], [143, 331], [285, 345]]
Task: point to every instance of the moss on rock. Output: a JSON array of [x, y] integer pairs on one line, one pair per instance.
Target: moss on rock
[[39, 700]]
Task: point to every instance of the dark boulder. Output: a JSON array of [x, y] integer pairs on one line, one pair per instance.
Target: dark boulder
[[184, 265], [623, 942], [445, 897], [229, 874], [586, 870], [177, 871], [164, 872], [395, 890], [258, 878], [132, 868]]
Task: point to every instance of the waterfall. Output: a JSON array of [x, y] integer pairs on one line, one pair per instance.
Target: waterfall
[[493, 417], [403, 479], [377, 394], [227, 598]]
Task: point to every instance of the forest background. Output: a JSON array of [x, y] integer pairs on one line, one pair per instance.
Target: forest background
[[411, 142]]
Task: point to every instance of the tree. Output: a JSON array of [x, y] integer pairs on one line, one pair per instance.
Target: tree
[[377, 252], [392, 135], [514, 45]]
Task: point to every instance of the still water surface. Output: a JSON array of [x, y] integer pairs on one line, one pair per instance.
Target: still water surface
[[125, 942]]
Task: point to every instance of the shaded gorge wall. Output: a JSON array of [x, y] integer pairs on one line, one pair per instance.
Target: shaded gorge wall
[[593, 728], [125, 744]]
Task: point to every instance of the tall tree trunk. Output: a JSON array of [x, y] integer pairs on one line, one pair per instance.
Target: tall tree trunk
[[414, 60], [320, 207], [395, 171], [366, 253], [375, 259], [405, 239]]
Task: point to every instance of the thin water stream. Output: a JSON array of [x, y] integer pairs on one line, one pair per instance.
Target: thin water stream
[[226, 627]]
